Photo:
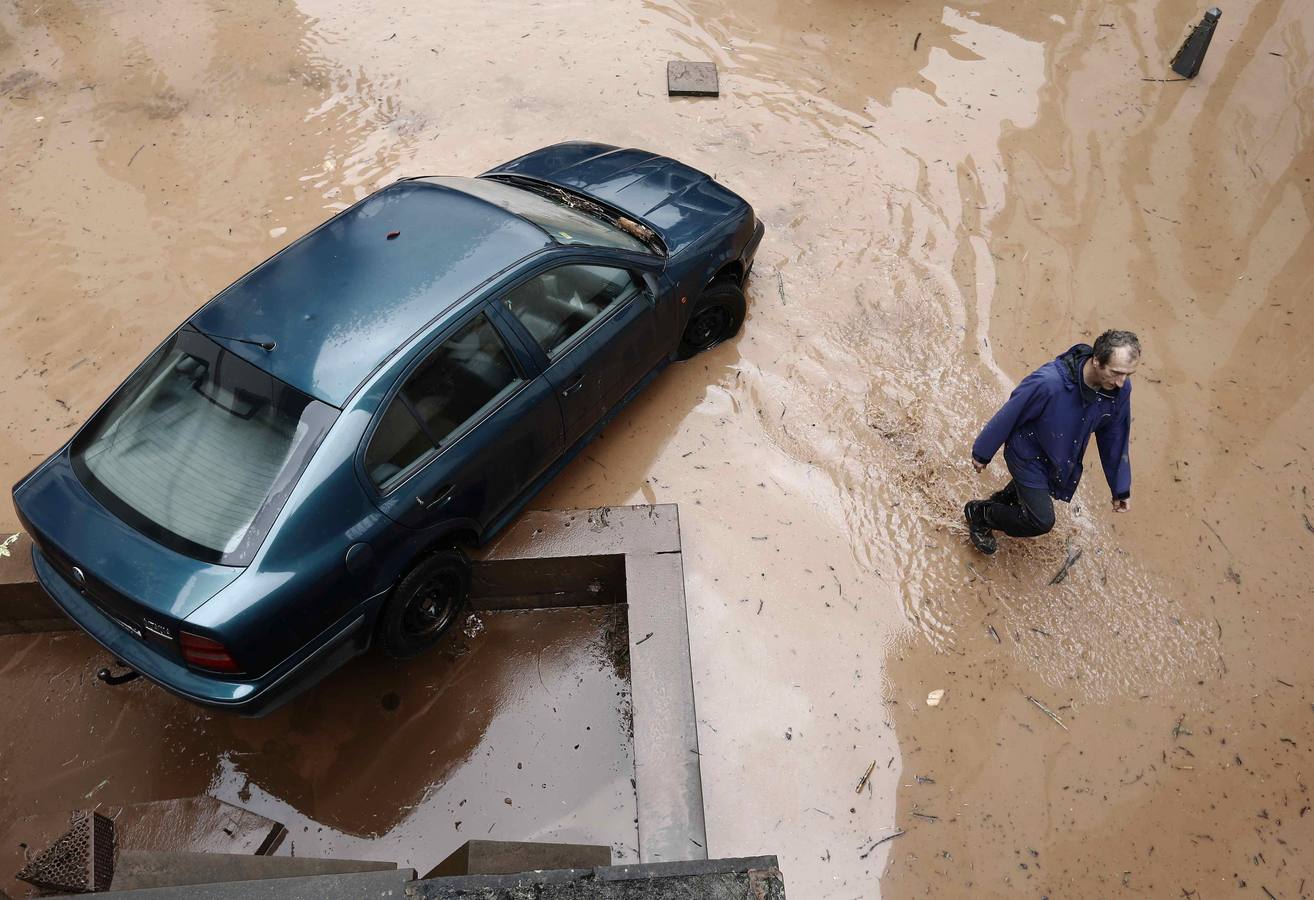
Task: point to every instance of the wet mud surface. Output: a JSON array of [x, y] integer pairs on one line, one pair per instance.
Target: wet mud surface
[[521, 732], [953, 194]]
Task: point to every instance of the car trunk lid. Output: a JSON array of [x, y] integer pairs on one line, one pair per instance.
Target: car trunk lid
[[143, 586]]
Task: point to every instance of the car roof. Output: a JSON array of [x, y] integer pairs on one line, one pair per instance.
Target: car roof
[[341, 300]]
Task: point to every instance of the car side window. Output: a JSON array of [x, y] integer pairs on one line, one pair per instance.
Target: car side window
[[559, 304], [461, 380]]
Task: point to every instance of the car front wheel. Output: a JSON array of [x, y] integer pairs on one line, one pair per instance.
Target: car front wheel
[[716, 317], [425, 604]]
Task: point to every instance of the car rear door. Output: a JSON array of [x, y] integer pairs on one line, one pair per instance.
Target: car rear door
[[597, 330], [467, 430]]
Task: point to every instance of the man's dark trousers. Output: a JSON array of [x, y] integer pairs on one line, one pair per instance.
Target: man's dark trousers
[[1020, 511]]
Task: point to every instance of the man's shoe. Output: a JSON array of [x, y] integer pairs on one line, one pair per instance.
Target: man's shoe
[[982, 537]]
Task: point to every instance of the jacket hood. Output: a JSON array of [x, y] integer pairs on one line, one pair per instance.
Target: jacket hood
[[1071, 361]]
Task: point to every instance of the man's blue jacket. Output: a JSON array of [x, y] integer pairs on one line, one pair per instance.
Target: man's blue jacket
[[1047, 423]]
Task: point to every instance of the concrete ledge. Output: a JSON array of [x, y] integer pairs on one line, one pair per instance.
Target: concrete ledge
[[507, 857], [358, 886], [24, 605], [140, 869], [753, 878], [595, 580], [668, 778]]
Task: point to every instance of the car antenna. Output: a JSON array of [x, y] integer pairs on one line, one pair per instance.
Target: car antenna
[[266, 346]]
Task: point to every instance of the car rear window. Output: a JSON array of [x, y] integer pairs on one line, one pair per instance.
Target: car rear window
[[200, 448]]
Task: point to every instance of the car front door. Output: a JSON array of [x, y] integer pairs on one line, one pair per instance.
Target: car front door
[[596, 326], [467, 431]]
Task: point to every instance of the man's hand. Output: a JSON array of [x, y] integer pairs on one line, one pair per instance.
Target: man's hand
[[978, 465], [1122, 505]]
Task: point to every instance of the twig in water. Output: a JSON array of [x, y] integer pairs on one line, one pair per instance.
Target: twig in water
[[1217, 535], [863, 783], [1047, 711], [1074, 554], [994, 634], [917, 40], [642, 639], [888, 837], [134, 154], [926, 817], [1163, 79], [1178, 730]]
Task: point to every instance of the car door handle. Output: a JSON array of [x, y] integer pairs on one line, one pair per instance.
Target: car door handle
[[575, 384], [445, 493]]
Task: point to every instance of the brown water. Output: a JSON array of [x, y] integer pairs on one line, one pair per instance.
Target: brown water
[[953, 195], [520, 732]]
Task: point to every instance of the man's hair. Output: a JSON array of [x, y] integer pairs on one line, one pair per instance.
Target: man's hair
[[1111, 340]]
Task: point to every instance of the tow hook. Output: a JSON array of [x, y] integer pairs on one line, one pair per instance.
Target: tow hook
[[110, 678]]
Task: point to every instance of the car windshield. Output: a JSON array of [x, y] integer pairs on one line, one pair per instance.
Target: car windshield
[[567, 218], [200, 448]]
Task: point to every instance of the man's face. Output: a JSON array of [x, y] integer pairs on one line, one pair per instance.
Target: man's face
[[1110, 377]]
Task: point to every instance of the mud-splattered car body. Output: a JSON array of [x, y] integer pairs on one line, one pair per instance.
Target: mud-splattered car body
[[280, 387]]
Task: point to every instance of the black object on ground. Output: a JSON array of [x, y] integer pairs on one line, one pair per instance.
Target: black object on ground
[[1192, 52], [81, 860], [691, 79], [124, 677]]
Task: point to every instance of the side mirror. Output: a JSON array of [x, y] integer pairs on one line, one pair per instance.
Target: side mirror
[[650, 282]]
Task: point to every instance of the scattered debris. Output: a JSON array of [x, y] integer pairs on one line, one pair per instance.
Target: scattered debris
[[934, 697], [1309, 526], [917, 40], [4, 547], [1178, 730], [924, 779], [1047, 711], [928, 818], [1074, 554], [994, 634], [134, 154], [642, 639], [866, 775]]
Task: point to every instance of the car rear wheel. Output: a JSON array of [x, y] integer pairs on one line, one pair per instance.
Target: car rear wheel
[[425, 604], [716, 317]]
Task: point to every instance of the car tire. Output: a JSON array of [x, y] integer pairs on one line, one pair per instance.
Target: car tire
[[425, 604], [716, 317]]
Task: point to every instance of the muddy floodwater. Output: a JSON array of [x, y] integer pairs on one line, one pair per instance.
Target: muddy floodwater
[[953, 193]]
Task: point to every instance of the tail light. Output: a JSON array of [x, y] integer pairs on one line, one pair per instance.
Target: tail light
[[204, 653]]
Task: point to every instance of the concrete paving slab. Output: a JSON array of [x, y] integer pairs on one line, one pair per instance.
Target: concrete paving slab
[[691, 79], [390, 885], [141, 869]]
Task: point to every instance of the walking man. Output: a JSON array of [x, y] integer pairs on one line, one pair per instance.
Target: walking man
[[1044, 428]]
